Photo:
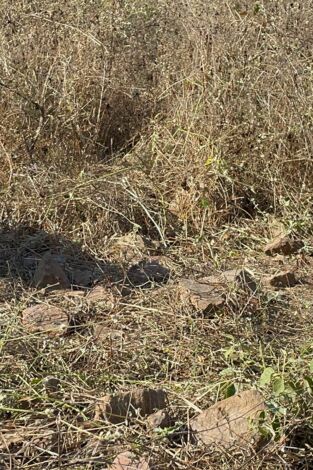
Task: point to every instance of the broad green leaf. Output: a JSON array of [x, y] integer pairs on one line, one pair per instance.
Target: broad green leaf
[[278, 385], [311, 365], [291, 390], [266, 376]]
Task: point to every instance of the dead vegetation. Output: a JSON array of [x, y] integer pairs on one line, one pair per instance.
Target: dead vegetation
[[145, 145]]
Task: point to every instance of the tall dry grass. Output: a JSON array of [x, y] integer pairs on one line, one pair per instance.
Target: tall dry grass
[[171, 117]]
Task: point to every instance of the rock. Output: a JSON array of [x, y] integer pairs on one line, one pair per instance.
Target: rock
[[129, 461], [228, 422], [204, 297], [284, 245], [45, 318], [50, 273], [282, 279], [242, 278], [116, 408], [100, 294], [159, 419], [145, 273], [209, 294]]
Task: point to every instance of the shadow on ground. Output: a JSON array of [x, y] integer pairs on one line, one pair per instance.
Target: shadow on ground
[[22, 250]]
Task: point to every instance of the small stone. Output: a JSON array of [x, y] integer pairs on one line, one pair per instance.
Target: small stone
[[159, 419], [228, 422], [282, 279], [283, 245], [50, 273], [116, 408], [129, 461], [45, 318]]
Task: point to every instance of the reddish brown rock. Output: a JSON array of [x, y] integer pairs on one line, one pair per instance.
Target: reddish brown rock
[[45, 318], [209, 294], [283, 245], [129, 461], [228, 422], [50, 273], [100, 294], [282, 279], [116, 408], [241, 277]]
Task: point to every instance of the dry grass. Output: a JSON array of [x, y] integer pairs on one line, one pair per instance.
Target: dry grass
[[189, 123]]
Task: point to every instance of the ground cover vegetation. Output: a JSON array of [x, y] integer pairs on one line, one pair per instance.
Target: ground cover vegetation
[[156, 241]]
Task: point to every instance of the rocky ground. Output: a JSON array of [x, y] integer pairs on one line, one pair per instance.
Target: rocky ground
[[156, 251], [151, 364]]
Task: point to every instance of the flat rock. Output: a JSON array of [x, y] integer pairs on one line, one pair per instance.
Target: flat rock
[[159, 419], [283, 245], [50, 273], [205, 297], [228, 422], [240, 277], [116, 408], [45, 318], [282, 279], [129, 461], [100, 294]]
